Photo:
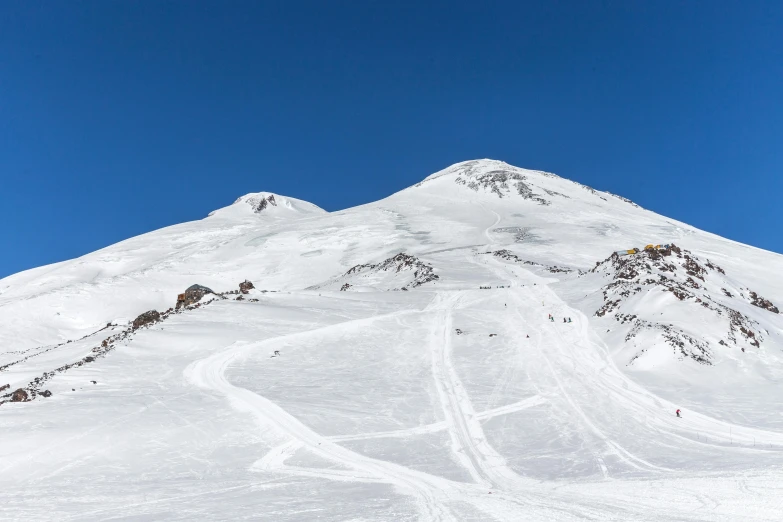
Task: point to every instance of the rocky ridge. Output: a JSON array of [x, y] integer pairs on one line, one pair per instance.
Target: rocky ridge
[[688, 279]]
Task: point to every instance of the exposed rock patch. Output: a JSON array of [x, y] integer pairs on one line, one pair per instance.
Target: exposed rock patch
[[510, 256], [757, 300], [688, 279], [147, 318], [502, 183], [110, 343], [400, 272], [260, 203], [192, 296], [20, 395]]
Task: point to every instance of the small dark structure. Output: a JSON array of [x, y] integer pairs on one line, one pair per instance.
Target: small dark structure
[[245, 286], [192, 295]]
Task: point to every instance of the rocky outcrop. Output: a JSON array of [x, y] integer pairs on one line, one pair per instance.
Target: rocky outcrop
[[757, 300], [401, 272], [510, 256], [501, 183], [260, 203], [151, 317], [4, 387], [688, 279], [423, 273], [192, 296], [245, 286], [20, 395]]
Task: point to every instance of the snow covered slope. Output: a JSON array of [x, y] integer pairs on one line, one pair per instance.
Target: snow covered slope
[[396, 361]]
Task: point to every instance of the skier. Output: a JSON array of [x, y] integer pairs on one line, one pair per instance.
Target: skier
[[551, 318], [569, 319], [527, 336], [678, 413], [564, 320]]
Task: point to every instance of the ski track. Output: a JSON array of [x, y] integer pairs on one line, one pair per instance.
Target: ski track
[[577, 373], [431, 492], [469, 442], [440, 426]]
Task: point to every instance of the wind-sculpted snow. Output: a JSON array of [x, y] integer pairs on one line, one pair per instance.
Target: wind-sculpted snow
[[521, 371]]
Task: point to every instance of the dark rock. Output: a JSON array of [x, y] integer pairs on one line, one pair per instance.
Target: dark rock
[[4, 387], [260, 203], [757, 300], [46, 393], [245, 286], [146, 318], [422, 272], [345, 287], [19, 395], [239, 298], [192, 295]]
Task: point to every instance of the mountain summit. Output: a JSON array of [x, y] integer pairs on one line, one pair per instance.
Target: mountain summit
[[267, 204], [492, 343]]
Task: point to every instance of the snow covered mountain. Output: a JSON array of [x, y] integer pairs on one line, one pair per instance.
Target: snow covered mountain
[[397, 361]]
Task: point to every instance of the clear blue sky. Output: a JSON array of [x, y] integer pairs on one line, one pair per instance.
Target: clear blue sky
[[117, 118]]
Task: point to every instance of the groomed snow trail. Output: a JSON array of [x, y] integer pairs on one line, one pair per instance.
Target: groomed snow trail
[[469, 442], [210, 373], [498, 492], [390, 413]]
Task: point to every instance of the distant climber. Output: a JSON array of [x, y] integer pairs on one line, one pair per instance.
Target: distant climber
[[678, 414], [569, 319], [564, 320]]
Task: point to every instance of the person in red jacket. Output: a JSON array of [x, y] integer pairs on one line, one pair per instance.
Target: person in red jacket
[[678, 413]]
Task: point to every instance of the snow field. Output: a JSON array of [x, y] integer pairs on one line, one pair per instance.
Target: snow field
[[395, 406]]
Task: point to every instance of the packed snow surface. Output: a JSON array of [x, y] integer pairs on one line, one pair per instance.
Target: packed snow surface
[[397, 361]]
